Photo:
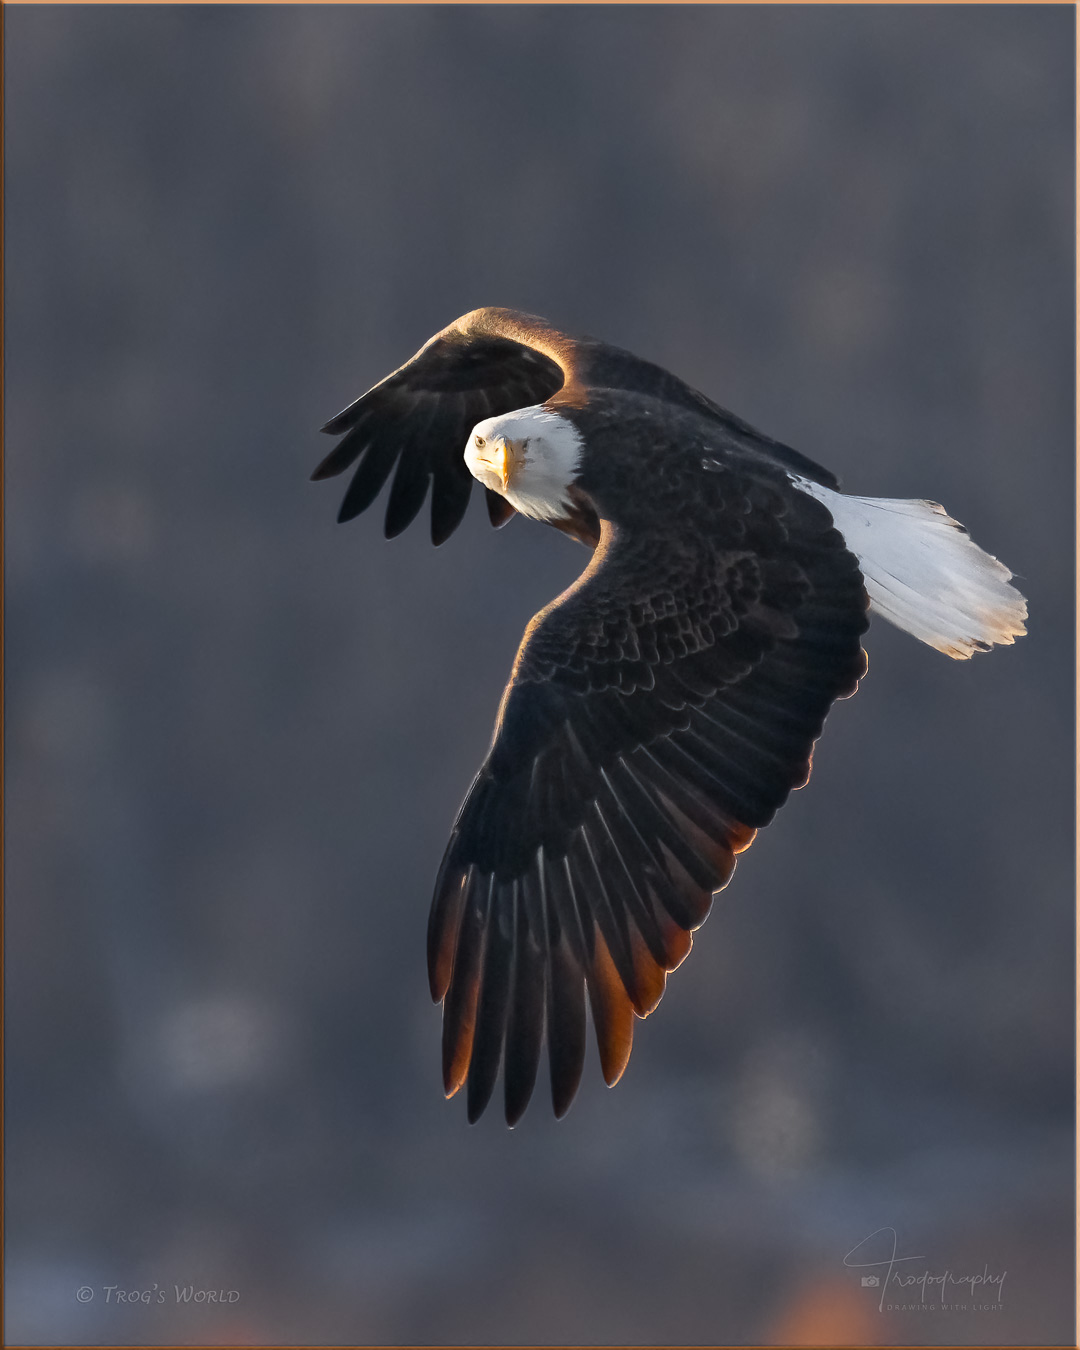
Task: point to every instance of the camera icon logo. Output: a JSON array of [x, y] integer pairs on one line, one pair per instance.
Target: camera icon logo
[[870, 1282]]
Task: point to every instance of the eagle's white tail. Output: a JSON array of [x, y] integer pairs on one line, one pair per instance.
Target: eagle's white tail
[[925, 574]]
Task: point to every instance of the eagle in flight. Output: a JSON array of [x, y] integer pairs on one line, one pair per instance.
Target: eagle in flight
[[661, 709]]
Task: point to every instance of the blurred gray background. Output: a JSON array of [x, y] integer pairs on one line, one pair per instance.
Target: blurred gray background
[[238, 733]]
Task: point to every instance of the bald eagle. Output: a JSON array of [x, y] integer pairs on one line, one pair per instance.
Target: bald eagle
[[661, 709]]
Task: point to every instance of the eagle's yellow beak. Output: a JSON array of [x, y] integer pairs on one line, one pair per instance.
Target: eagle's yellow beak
[[504, 460]]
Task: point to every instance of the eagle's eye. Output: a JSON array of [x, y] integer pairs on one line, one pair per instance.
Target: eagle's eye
[[479, 442]]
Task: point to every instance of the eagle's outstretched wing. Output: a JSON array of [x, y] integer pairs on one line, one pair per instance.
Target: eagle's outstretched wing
[[420, 417], [659, 713]]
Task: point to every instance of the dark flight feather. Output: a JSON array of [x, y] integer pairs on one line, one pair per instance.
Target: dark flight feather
[[367, 483], [525, 1025]]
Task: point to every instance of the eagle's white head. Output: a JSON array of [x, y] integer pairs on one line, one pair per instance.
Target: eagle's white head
[[530, 457]]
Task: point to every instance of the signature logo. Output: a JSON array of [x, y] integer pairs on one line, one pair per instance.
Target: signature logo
[[901, 1280]]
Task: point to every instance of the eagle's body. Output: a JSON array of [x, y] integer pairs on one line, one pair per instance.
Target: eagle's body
[[659, 711]]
